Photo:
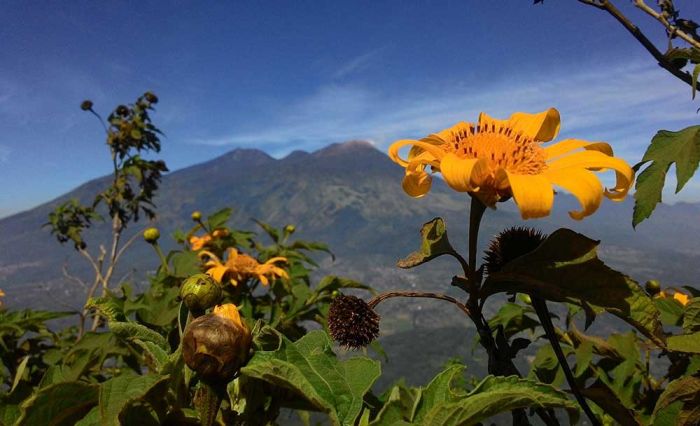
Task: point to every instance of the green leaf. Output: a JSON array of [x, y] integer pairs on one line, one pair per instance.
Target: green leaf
[[689, 343], [691, 316], [330, 283], [185, 263], [566, 268], [398, 408], [20, 372], [117, 393], [310, 368], [687, 391], [157, 357], [59, 404], [671, 311], [219, 218], [666, 148], [130, 331], [434, 243], [496, 395], [439, 391]]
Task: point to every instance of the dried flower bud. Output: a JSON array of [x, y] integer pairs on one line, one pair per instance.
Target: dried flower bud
[[352, 322], [511, 244], [151, 235], [652, 287], [150, 97], [200, 292], [216, 345], [196, 215], [122, 110], [86, 105]]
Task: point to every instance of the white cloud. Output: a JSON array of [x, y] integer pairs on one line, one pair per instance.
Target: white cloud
[[357, 63]]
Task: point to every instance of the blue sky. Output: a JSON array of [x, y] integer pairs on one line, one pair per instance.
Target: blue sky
[[281, 76]]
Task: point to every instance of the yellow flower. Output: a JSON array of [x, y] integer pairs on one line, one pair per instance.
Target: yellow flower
[[496, 159], [681, 298], [239, 267], [220, 233], [197, 243]]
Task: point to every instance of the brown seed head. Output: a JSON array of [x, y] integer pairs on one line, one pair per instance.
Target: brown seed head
[[352, 322], [511, 244]]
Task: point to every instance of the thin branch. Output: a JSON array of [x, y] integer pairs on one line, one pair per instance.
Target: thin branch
[[73, 277], [388, 295], [126, 245], [607, 6], [672, 29]]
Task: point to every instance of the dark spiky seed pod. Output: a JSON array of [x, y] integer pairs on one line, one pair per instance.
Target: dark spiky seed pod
[[511, 244], [352, 322]]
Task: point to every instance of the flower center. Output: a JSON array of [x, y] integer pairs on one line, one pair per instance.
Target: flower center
[[502, 147]]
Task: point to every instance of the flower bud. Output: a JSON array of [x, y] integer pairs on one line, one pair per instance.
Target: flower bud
[[196, 215], [289, 229], [200, 292], [151, 235], [150, 97], [216, 345], [122, 110], [652, 287], [86, 105]]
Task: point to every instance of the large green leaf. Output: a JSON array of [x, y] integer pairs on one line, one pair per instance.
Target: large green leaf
[[130, 331], [566, 268], [59, 404], [681, 148], [119, 392], [434, 243], [689, 343], [438, 391], [685, 390], [691, 316], [310, 368], [496, 395], [398, 407]]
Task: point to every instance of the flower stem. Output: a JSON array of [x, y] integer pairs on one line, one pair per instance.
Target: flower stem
[[540, 306], [388, 295], [161, 256]]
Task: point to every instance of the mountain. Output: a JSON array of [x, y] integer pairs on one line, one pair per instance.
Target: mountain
[[348, 195]]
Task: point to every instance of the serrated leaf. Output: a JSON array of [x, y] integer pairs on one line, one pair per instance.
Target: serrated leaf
[[681, 148], [117, 393], [130, 331], [310, 368], [689, 343], [566, 268], [398, 407], [158, 357], [691, 316], [496, 395], [439, 391], [59, 404], [685, 390], [434, 243], [219, 218]]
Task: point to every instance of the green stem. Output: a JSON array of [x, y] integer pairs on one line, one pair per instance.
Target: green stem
[[540, 306], [161, 256]]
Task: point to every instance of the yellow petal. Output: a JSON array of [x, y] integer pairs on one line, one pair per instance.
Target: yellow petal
[[458, 172], [568, 145], [542, 127], [532, 193], [263, 279], [229, 311], [217, 273], [582, 184], [598, 160], [416, 182], [436, 152], [454, 134]]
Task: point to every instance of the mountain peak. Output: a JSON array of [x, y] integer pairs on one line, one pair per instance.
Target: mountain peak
[[248, 155], [344, 148]]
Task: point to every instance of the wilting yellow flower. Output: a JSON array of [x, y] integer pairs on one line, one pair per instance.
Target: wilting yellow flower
[[239, 267], [197, 243], [496, 159], [681, 298]]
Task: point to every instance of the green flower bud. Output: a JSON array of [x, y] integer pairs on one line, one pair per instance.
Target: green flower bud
[[86, 105], [216, 345], [151, 235], [289, 229], [526, 298], [652, 287], [199, 292], [196, 215], [335, 294], [150, 97]]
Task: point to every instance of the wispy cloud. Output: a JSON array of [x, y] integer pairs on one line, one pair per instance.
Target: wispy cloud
[[623, 104], [357, 63]]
